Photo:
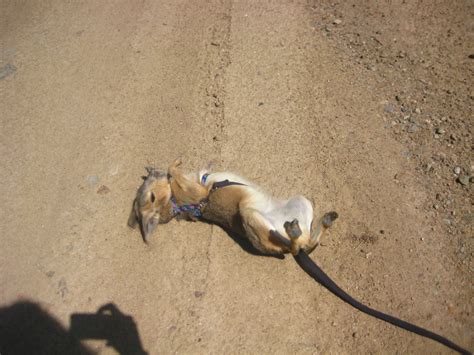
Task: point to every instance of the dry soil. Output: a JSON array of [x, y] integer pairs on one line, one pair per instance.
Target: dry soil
[[363, 107]]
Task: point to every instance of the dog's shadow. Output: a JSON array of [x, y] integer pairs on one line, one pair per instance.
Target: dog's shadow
[[243, 242]]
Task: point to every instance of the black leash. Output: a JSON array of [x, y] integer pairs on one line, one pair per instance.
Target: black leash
[[225, 183], [313, 270]]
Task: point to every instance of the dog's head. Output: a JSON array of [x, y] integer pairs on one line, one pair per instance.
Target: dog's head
[[152, 204]]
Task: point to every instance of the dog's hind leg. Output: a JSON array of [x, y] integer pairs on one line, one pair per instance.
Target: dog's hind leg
[[323, 224], [262, 234], [294, 232]]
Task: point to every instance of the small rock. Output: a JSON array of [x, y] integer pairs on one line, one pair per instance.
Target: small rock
[[440, 131], [417, 111], [389, 108], [93, 179], [398, 98], [102, 190], [403, 109], [412, 128], [337, 21], [457, 170], [260, 104], [464, 180], [439, 156], [447, 221], [114, 170], [7, 70], [63, 290], [198, 294], [50, 273]]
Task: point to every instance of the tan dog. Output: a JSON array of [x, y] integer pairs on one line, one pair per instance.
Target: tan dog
[[273, 226]]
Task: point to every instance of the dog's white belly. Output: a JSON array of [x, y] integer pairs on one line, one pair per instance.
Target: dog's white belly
[[276, 212], [285, 211]]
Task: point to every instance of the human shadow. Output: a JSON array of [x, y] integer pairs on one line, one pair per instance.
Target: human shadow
[[110, 324], [26, 328]]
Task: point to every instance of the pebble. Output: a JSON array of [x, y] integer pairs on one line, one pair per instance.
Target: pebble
[[389, 108], [440, 131], [337, 21], [7, 70], [93, 179], [447, 221], [464, 180], [63, 290], [457, 170], [198, 294], [412, 128], [417, 110], [102, 190]]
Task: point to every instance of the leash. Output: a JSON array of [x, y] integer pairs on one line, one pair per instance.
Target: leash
[[220, 184], [313, 270]]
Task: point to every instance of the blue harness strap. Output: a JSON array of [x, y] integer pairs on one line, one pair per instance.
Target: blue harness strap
[[192, 208]]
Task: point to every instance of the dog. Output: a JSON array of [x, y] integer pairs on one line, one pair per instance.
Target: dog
[[273, 226]]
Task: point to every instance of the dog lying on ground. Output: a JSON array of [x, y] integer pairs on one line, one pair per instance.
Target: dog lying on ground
[[272, 226]]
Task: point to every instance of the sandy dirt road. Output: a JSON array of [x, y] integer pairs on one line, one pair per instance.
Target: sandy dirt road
[[92, 92]]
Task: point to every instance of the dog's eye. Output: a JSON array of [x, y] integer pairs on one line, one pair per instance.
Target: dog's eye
[[152, 197]]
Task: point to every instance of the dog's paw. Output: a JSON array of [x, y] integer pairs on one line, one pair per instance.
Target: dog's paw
[[293, 229], [329, 218]]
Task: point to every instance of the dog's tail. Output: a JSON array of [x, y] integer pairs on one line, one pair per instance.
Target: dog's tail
[[313, 270]]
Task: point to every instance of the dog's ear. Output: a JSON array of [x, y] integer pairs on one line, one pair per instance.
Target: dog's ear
[[154, 173], [132, 219]]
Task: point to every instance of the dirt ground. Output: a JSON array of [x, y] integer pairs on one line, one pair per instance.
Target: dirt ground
[[364, 107]]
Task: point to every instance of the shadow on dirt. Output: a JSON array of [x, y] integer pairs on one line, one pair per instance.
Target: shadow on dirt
[[25, 328], [243, 242]]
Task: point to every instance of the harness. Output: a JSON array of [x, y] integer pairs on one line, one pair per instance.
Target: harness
[[195, 209]]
